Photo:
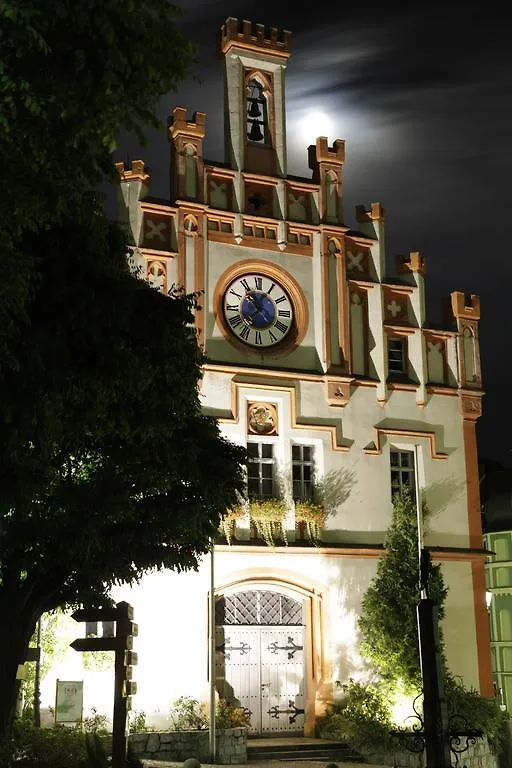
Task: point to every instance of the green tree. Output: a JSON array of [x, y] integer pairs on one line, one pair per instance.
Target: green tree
[[71, 75], [388, 622], [107, 466]]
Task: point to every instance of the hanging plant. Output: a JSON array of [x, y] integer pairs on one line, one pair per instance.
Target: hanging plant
[[268, 516], [228, 522], [313, 516]]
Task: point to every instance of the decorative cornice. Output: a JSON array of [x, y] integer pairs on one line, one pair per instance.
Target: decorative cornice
[[375, 448]]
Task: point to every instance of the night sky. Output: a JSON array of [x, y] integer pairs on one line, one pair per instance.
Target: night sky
[[421, 93]]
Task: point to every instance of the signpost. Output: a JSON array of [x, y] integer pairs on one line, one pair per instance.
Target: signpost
[[125, 659]]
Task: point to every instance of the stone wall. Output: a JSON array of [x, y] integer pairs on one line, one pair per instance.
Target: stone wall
[[231, 745], [477, 756]]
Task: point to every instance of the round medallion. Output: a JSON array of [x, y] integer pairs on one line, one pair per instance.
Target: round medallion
[[258, 310], [262, 419]]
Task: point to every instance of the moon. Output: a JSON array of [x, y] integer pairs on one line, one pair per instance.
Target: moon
[[315, 124]]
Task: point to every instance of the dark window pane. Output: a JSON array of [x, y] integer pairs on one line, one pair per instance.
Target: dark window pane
[[394, 459], [306, 452], [266, 470], [307, 473], [267, 488], [266, 450], [296, 452], [253, 487], [296, 473], [252, 449]]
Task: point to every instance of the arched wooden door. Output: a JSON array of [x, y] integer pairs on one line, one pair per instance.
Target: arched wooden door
[[260, 658]]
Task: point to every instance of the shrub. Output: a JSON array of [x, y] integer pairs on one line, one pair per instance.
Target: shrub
[[188, 714], [362, 718], [467, 709], [137, 722], [58, 747], [228, 716]]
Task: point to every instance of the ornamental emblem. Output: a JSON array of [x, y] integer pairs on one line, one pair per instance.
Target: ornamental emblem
[[262, 419]]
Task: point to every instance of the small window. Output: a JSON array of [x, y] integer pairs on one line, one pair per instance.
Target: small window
[[402, 472], [302, 471], [396, 355], [260, 470]]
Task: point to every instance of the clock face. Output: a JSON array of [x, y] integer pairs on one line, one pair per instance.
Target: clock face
[[257, 310]]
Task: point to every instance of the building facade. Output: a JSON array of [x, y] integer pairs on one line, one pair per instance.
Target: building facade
[[497, 497], [328, 371]]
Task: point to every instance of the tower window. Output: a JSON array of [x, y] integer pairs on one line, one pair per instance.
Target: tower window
[[402, 472], [260, 470], [302, 471], [257, 118], [396, 355]]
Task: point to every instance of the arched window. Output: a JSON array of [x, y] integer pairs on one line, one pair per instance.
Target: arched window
[[257, 113]]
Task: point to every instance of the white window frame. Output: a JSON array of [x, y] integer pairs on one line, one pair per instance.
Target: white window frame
[[260, 460], [301, 463], [402, 470]]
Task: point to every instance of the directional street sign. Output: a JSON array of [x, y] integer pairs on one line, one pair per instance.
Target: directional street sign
[[95, 644], [125, 658], [96, 614]]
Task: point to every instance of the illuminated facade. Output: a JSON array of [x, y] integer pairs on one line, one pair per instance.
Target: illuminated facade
[[329, 372], [497, 494]]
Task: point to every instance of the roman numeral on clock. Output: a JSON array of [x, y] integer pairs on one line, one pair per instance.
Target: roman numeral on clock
[[245, 284], [280, 326], [233, 308], [258, 338], [235, 321], [280, 299], [244, 333], [258, 282], [283, 313]]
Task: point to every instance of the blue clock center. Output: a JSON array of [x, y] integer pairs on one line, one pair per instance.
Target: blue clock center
[[258, 310]]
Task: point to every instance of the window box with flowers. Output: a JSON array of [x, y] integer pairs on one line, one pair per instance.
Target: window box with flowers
[[228, 522], [268, 516], [310, 516]]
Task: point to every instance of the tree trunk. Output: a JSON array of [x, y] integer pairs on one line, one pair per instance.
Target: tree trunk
[[16, 629]]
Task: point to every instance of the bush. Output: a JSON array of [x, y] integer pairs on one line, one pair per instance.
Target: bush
[[362, 718], [58, 747], [188, 714], [85, 745], [137, 722], [467, 709], [228, 716]]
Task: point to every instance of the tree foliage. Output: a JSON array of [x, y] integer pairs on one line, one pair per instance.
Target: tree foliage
[[71, 75], [388, 622], [107, 466]]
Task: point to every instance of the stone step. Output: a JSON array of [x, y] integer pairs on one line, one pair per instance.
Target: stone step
[[331, 751]]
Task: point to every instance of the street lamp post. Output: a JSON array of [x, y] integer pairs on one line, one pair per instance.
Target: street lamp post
[[213, 746]]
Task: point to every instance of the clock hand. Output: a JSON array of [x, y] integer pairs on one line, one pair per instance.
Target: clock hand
[[250, 297]]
